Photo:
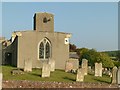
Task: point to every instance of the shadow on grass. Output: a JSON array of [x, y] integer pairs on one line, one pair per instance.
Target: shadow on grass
[[36, 69], [102, 81], [34, 74], [59, 70], [71, 79], [8, 65]]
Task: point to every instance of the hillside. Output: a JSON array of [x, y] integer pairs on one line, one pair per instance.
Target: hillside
[[113, 53]]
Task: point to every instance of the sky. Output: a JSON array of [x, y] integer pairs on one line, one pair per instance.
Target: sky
[[60, 0], [92, 24], [119, 26], [0, 18]]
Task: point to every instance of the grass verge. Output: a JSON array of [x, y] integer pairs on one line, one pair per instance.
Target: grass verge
[[57, 75]]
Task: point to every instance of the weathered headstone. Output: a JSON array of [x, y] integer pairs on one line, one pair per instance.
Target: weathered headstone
[[75, 63], [68, 67], [89, 69], [16, 71], [28, 65], [85, 66], [104, 70], [109, 73], [114, 75], [46, 70], [0, 81], [1, 66], [98, 69], [52, 65], [118, 76], [80, 75]]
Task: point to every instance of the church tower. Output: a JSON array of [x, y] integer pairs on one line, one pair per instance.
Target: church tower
[[44, 22]]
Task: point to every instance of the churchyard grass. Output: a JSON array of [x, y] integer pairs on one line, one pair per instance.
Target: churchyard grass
[[92, 78], [57, 75]]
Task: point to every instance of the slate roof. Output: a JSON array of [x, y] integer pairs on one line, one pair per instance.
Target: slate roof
[[73, 55]]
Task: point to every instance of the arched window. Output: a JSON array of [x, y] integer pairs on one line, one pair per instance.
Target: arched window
[[44, 49], [41, 50]]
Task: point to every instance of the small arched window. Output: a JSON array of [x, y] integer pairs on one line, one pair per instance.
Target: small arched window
[[44, 49]]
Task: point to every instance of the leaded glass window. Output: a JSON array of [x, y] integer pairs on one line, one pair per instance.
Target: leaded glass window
[[44, 49], [47, 46], [41, 50]]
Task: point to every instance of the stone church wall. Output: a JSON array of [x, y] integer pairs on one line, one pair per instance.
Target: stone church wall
[[28, 48]]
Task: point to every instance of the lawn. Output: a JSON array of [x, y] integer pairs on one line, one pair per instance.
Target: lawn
[[57, 75]]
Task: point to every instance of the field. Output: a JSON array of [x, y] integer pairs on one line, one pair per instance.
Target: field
[[57, 75]]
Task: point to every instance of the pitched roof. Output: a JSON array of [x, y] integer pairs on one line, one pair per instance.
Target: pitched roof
[[73, 55]]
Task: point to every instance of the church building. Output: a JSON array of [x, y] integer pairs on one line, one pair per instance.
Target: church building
[[38, 45]]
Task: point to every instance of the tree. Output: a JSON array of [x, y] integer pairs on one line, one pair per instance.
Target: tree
[[93, 56], [81, 51], [106, 60], [72, 47], [90, 55], [116, 63], [118, 55]]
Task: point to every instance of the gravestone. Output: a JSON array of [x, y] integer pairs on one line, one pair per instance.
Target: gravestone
[[0, 81], [118, 76], [75, 63], [16, 71], [114, 75], [85, 66], [109, 73], [46, 70], [1, 76], [28, 65], [105, 71], [89, 69], [52, 65], [80, 75], [68, 67], [98, 69]]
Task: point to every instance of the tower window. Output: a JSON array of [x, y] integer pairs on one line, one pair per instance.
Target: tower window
[[44, 49], [45, 20]]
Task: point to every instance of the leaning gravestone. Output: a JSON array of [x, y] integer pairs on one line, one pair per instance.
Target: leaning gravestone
[[118, 76], [28, 65], [0, 81], [68, 67], [52, 65], [85, 66], [1, 66], [98, 69], [46, 70], [114, 75], [80, 75]]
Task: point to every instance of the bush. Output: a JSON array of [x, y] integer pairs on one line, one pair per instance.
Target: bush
[[93, 56], [116, 63]]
